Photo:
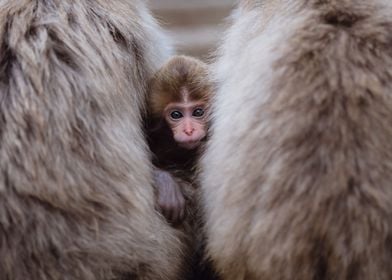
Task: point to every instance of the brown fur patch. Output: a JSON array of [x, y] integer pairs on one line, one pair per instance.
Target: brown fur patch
[[178, 74]]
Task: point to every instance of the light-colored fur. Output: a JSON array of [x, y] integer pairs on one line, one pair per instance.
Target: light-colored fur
[[297, 174], [76, 196]]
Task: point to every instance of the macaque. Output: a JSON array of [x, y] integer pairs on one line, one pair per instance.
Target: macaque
[[76, 188], [177, 126], [177, 129], [296, 176]]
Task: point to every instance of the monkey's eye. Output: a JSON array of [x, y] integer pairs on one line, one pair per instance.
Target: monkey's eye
[[199, 112], [175, 115]]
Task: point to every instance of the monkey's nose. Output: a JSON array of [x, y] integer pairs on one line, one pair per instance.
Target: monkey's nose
[[189, 132]]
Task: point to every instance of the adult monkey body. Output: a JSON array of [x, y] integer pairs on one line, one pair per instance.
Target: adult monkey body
[[297, 180], [76, 196]]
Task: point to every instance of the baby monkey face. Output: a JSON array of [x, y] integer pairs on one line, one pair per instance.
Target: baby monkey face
[[187, 121]]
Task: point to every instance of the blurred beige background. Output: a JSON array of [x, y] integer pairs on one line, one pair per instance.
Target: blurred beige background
[[195, 26]]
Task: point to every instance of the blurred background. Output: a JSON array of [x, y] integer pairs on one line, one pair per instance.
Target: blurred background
[[195, 26]]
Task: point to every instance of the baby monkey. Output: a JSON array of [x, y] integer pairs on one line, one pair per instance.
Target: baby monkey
[[176, 127]]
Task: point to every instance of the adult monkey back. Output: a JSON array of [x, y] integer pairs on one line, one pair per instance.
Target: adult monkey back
[[76, 197], [297, 176]]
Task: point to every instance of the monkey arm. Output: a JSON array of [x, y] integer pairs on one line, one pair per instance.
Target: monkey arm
[[170, 199]]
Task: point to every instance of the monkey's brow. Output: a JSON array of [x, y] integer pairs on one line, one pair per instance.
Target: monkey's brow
[[185, 105]]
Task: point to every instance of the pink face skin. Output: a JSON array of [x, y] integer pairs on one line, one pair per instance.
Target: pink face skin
[[187, 120]]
